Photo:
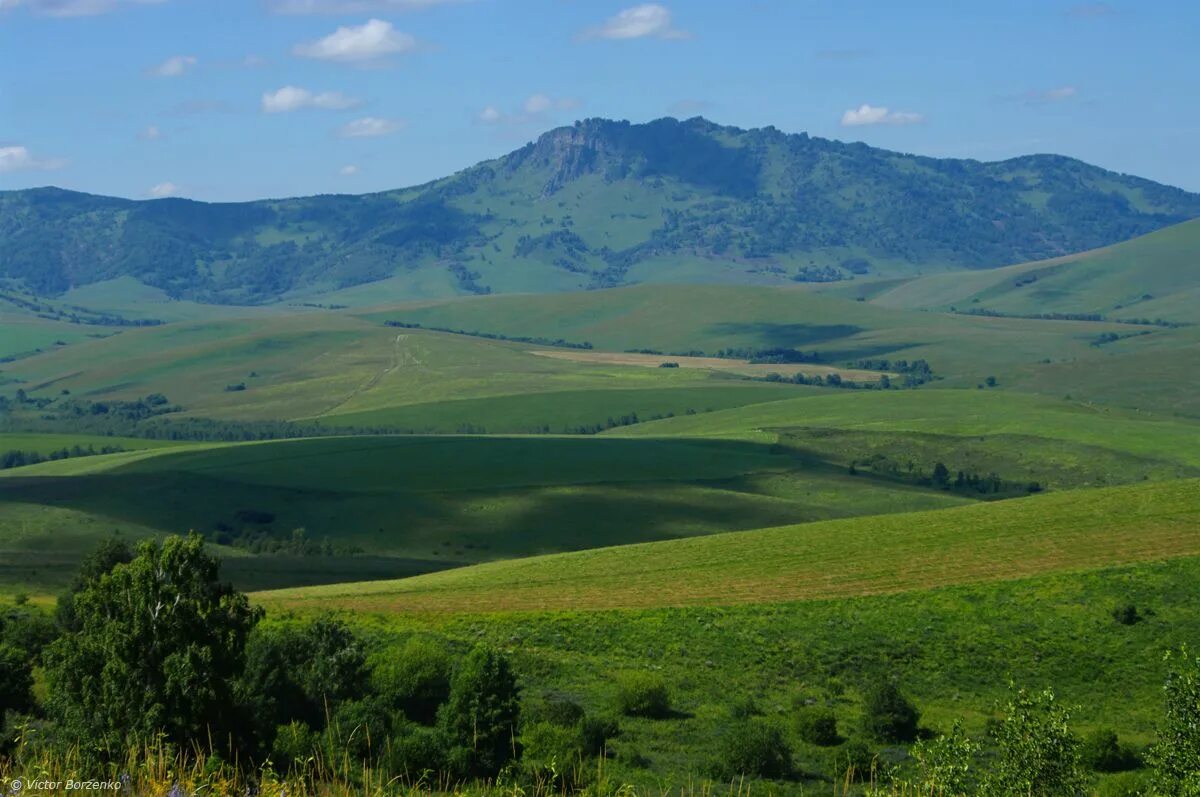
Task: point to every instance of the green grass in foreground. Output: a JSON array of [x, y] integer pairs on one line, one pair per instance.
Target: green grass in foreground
[[1051, 533]]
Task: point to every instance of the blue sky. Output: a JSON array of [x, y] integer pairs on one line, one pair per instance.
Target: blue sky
[[241, 99]]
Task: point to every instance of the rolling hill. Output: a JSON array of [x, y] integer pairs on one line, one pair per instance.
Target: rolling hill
[[1156, 276], [1065, 532], [597, 204]]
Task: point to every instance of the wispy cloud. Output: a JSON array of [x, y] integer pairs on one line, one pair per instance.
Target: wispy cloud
[[1059, 94], [150, 133], [162, 190], [866, 115], [649, 20], [349, 170], [535, 109], [352, 6], [174, 66], [367, 43], [370, 127], [294, 98], [20, 159], [72, 8]]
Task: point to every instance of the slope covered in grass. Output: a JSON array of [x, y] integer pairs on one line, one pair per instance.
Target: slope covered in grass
[[1063, 532], [1155, 276]]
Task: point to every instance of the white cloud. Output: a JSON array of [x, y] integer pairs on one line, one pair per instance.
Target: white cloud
[[1060, 94], [72, 8], [163, 190], [370, 127], [872, 115], [293, 98], [20, 159], [348, 170], [351, 6], [640, 22], [534, 109], [369, 42], [174, 66], [151, 133]]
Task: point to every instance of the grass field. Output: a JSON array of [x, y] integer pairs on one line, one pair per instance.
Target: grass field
[[900, 552]]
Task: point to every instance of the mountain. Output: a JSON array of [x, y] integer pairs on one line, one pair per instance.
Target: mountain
[[598, 204]]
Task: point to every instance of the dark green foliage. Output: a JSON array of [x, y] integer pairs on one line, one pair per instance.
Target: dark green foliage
[[643, 694], [753, 748], [888, 716], [159, 644], [817, 726], [554, 709], [480, 718], [1102, 751], [754, 194], [109, 553], [358, 731], [301, 672], [1175, 756], [1127, 614], [294, 746], [414, 679], [16, 681]]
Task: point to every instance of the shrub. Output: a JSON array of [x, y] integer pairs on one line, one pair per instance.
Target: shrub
[[1125, 784], [817, 726], [743, 708], [415, 679], [553, 709], [415, 751], [480, 717], [643, 694], [852, 761], [752, 747], [888, 716], [1102, 751], [1126, 614], [553, 753], [294, 748], [358, 731]]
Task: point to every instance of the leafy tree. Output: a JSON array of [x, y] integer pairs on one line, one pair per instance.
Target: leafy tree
[[158, 646], [946, 764], [108, 554], [1102, 751], [480, 717], [1176, 754], [415, 679], [888, 716], [1038, 755], [16, 681]]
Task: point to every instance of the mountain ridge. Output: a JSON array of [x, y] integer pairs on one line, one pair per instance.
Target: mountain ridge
[[596, 204]]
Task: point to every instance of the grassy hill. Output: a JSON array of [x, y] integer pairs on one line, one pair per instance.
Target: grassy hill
[[597, 204], [818, 561], [1155, 276], [440, 501]]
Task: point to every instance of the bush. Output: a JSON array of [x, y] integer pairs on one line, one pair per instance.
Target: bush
[[752, 747], [480, 718], [888, 716], [1125, 784], [358, 731], [416, 751], [643, 694], [1126, 614], [415, 679], [1102, 751], [553, 709], [817, 726], [852, 761], [294, 748], [1176, 754]]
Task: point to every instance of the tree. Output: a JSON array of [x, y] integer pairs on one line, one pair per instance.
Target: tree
[[888, 716], [753, 747], [941, 475], [16, 681], [107, 555], [158, 646], [946, 763], [1176, 754], [1038, 756], [480, 718]]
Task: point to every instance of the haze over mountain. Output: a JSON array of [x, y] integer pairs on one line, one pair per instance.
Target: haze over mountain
[[599, 204]]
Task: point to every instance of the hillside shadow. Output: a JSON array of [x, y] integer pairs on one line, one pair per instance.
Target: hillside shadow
[[770, 335]]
